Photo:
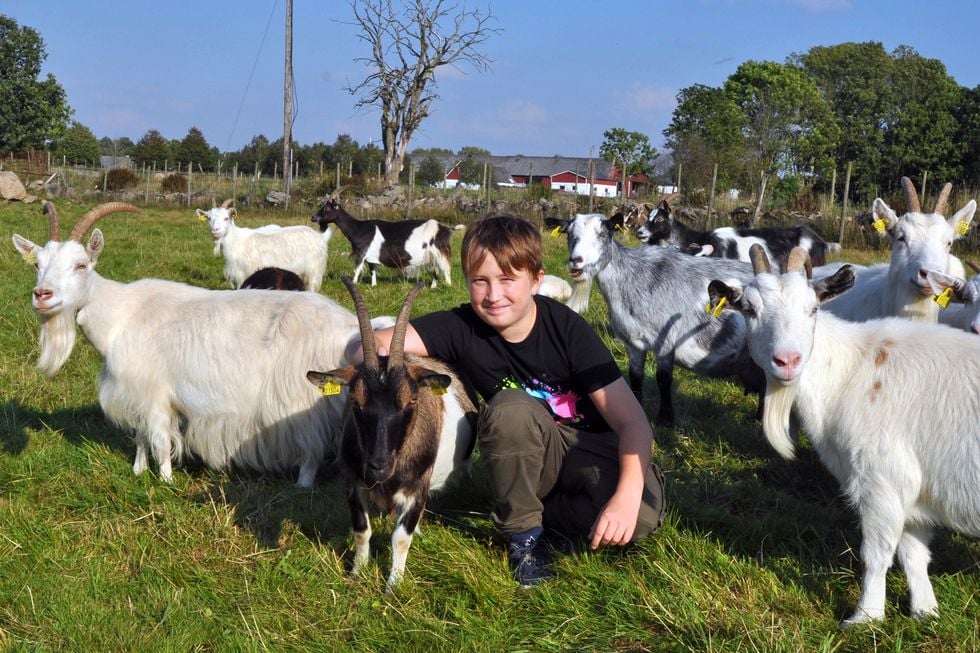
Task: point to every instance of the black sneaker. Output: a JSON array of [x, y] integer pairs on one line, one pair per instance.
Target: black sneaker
[[529, 561]]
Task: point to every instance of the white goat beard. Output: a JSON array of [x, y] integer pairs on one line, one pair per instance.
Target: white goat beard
[[776, 413], [578, 301], [56, 339], [923, 309]]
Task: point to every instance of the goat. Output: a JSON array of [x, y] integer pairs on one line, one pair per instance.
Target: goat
[[406, 428], [966, 293], [891, 406], [273, 279], [732, 242], [408, 245], [656, 298], [298, 249], [555, 287], [218, 373], [919, 242]]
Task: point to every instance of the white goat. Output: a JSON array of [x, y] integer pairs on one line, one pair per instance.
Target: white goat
[[891, 406], [966, 294], [919, 242], [298, 249], [555, 287], [218, 373]]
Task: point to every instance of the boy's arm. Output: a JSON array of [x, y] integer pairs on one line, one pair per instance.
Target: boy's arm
[[354, 353], [619, 407]]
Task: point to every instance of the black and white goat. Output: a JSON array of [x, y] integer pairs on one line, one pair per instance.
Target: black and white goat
[[273, 279], [656, 298], [965, 295], [408, 245], [891, 406], [406, 428], [661, 228], [216, 373]]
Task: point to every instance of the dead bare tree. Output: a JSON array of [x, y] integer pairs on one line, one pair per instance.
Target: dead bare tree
[[409, 41]]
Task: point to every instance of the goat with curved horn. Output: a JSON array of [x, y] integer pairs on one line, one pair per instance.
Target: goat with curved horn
[[52, 213], [396, 357], [369, 344], [95, 214], [943, 197], [911, 196], [760, 262]]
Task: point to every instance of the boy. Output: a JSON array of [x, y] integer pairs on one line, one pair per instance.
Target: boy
[[565, 444]]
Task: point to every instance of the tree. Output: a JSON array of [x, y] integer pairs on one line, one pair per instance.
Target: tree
[[630, 151], [472, 161], [152, 150], [787, 125], [78, 145], [430, 172], [32, 111], [194, 148], [115, 146], [407, 47]]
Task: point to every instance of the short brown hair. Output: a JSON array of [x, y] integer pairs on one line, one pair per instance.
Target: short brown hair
[[514, 241]]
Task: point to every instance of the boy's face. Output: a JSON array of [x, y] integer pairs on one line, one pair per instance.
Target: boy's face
[[504, 301]]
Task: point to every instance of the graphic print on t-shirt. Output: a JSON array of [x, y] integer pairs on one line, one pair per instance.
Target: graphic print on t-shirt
[[563, 403]]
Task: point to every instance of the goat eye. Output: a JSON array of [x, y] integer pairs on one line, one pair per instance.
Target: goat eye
[[80, 266]]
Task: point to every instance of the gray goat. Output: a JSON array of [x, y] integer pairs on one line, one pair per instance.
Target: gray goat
[[656, 298]]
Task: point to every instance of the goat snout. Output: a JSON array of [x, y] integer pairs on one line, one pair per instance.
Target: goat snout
[[42, 294], [788, 361]]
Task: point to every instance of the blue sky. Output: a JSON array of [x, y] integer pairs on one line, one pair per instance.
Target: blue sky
[[563, 72]]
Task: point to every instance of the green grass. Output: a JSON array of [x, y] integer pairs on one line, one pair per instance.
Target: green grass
[[757, 554]]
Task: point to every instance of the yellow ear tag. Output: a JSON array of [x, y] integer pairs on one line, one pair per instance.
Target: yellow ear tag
[[202, 218], [29, 257], [554, 232], [438, 390], [330, 388], [716, 310], [621, 228], [879, 225], [943, 298], [961, 228]]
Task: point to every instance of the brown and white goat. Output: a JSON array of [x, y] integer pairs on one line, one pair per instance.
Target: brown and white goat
[[406, 428]]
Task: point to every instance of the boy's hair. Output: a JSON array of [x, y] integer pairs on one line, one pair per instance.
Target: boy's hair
[[514, 241]]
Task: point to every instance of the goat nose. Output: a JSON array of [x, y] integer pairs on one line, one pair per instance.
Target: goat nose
[[41, 294], [786, 360], [922, 273], [576, 259]]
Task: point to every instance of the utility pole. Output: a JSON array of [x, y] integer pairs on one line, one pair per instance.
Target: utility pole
[[287, 118]]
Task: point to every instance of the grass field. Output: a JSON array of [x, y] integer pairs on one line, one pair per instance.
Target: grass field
[[757, 554]]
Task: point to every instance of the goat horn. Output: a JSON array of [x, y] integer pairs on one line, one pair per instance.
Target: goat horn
[[911, 197], [95, 214], [760, 262], [227, 203], [396, 356], [336, 194], [799, 261], [941, 200], [52, 214], [974, 266], [369, 346]]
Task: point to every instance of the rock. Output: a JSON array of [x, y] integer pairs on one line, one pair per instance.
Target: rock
[[10, 186], [276, 197]]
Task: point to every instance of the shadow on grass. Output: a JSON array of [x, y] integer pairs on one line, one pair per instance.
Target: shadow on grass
[[76, 425]]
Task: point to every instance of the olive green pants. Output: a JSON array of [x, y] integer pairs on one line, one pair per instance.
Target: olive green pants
[[547, 474]]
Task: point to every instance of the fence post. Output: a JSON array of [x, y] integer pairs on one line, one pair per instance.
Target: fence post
[[711, 197], [190, 175], [843, 211]]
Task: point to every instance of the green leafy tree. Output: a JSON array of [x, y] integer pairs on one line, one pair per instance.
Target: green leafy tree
[[153, 150], [409, 42], [472, 161], [630, 151], [32, 111], [787, 125], [968, 117], [78, 145], [194, 149], [431, 171], [115, 146]]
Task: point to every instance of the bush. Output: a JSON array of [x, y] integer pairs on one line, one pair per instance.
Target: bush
[[174, 183], [120, 178]]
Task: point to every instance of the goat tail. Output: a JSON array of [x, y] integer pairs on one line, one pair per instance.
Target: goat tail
[[776, 412], [578, 301]]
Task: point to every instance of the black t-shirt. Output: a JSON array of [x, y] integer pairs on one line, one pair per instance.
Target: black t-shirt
[[560, 362]]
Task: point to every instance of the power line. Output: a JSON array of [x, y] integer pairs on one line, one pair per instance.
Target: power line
[[255, 64]]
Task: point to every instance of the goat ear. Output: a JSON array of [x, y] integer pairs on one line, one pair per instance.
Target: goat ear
[[614, 222], [556, 224], [960, 222], [835, 284], [338, 377], [201, 214], [95, 244], [26, 248], [434, 381], [940, 282], [885, 218], [733, 296]]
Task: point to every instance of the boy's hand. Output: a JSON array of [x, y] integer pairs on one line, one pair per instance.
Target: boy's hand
[[617, 521]]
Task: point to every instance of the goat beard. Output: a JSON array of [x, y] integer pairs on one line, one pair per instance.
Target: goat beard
[[578, 301], [922, 309], [777, 422], [56, 340]]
